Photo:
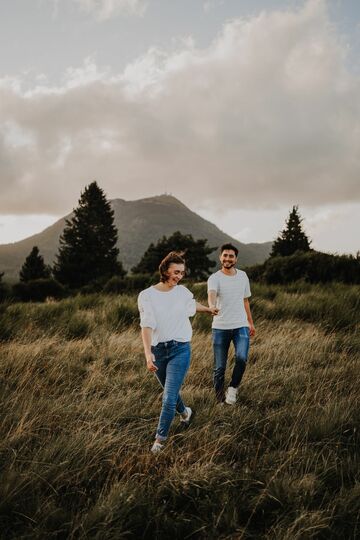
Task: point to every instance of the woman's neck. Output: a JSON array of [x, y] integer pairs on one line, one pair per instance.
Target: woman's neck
[[164, 286]]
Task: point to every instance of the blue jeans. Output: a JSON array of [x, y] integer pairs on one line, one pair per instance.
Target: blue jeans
[[172, 358], [221, 343]]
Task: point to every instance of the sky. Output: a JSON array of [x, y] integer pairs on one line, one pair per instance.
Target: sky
[[239, 108]]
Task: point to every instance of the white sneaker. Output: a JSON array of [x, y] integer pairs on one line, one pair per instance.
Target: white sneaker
[[189, 413], [156, 447], [230, 396]]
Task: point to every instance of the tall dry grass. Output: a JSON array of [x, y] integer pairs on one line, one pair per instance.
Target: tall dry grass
[[79, 412]]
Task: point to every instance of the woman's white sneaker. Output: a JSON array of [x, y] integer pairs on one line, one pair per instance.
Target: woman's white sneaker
[[156, 447], [230, 396], [186, 419]]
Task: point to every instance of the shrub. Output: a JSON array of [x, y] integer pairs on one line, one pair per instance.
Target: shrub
[[122, 315], [7, 327], [77, 327], [311, 267], [5, 291], [128, 284], [88, 301], [38, 290], [93, 287]]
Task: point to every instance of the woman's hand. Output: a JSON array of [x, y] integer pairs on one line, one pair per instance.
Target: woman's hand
[[146, 334], [204, 309], [150, 362]]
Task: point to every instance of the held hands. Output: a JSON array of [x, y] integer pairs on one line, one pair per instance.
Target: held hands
[[150, 362], [213, 310]]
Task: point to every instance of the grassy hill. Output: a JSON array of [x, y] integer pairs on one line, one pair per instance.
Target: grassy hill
[[139, 223], [79, 412]]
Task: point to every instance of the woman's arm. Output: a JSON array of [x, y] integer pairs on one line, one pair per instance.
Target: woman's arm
[[146, 334], [204, 309]]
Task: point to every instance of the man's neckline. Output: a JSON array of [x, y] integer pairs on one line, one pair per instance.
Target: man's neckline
[[229, 275]]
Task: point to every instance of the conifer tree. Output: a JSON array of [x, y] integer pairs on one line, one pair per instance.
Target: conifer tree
[[292, 238], [34, 267], [88, 249], [196, 254]]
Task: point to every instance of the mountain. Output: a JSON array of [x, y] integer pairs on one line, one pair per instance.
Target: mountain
[[139, 223]]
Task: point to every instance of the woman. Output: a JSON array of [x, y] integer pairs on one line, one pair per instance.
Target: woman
[[166, 332]]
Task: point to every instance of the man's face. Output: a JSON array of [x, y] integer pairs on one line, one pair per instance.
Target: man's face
[[228, 258]]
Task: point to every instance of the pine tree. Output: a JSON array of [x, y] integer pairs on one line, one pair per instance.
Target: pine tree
[[34, 267], [88, 249], [292, 238], [196, 255]]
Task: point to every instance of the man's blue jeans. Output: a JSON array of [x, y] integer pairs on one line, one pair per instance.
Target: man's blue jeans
[[221, 343], [172, 358]]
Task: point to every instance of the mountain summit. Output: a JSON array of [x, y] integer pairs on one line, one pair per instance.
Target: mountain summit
[[139, 223]]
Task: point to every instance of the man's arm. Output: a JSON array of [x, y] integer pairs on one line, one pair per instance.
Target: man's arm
[[249, 316], [212, 299]]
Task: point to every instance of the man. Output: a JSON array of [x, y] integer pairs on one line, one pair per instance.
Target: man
[[229, 291]]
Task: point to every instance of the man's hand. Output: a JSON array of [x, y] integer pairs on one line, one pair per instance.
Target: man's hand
[[252, 330], [214, 310], [150, 362]]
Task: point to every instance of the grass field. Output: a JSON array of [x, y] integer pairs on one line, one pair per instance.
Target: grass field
[[79, 411]]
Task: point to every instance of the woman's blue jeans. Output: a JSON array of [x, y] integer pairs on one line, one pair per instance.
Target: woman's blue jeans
[[221, 343], [172, 359]]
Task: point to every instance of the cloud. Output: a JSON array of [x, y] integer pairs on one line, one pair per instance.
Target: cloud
[[105, 9], [268, 115], [208, 5]]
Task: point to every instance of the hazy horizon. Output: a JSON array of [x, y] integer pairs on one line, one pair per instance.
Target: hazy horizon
[[48, 221]]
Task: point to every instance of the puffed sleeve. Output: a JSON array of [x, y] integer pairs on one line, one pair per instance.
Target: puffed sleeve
[[147, 318], [190, 303]]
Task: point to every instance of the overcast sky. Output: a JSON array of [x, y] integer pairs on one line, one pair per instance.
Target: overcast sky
[[241, 109]]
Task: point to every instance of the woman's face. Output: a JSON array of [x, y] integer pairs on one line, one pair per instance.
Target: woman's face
[[175, 273]]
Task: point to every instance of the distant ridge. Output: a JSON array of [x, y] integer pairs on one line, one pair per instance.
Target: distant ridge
[[139, 223]]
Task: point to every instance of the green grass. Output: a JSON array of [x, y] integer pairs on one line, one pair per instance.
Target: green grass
[[79, 411]]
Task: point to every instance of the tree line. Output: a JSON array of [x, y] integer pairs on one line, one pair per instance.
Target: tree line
[[88, 259], [292, 259]]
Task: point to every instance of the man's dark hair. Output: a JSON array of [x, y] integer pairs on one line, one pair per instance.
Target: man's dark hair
[[229, 246], [176, 257]]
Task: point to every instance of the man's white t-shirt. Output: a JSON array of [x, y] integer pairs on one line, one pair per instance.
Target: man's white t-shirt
[[230, 294], [167, 313]]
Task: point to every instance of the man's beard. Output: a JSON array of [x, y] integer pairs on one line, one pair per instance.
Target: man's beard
[[228, 265]]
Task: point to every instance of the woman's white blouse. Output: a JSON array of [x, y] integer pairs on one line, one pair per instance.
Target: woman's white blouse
[[167, 313]]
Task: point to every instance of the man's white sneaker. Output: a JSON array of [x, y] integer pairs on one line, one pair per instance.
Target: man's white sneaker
[[186, 419], [230, 396], [156, 447]]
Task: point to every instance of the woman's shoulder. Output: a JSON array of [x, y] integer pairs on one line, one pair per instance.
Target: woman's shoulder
[[145, 293], [184, 291]]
